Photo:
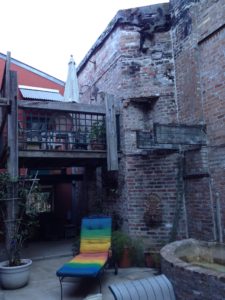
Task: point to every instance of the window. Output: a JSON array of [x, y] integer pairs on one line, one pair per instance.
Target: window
[[43, 201]]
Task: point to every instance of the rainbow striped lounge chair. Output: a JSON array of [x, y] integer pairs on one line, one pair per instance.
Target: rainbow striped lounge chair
[[95, 242]]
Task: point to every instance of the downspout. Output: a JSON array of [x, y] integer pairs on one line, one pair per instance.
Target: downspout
[[179, 198]]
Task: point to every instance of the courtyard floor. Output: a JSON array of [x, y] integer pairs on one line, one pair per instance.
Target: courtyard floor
[[44, 284]]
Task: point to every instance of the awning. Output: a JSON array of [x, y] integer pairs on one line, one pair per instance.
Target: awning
[[37, 93]]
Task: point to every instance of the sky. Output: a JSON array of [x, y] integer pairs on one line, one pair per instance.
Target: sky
[[44, 33]]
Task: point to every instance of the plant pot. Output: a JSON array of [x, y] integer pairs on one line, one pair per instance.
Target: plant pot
[[149, 260], [97, 146], [125, 261], [14, 277]]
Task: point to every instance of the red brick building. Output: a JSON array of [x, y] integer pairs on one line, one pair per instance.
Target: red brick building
[[165, 65], [29, 76]]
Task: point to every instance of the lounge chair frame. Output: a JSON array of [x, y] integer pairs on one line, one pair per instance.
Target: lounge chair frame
[[101, 222]]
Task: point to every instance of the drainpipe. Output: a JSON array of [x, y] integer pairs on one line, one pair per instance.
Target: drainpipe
[[180, 196], [218, 219]]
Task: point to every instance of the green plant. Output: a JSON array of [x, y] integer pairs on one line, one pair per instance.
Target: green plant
[[152, 258], [120, 240], [18, 214], [137, 252], [98, 132]]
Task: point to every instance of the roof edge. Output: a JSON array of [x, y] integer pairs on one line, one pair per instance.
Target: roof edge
[[100, 40], [34, 70], [119, 19]]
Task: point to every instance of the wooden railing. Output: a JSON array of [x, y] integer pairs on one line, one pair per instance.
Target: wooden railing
[[48, 130]]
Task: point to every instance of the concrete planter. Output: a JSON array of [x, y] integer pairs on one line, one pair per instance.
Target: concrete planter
[[14, 277]]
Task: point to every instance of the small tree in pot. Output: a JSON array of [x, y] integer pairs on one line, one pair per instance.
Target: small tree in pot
[[98, 135], [17, 228]]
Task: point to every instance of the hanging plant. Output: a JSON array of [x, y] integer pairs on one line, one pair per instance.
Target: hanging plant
[[153, 211]]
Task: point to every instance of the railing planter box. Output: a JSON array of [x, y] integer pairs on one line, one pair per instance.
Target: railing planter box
[[33, 146]]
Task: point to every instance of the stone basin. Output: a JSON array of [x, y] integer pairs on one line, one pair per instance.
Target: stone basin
[[195, 268]]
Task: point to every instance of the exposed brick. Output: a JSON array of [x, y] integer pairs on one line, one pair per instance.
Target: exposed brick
[[185, 66]]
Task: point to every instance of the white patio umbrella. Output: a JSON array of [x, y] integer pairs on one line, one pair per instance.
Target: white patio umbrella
[[71, 92]]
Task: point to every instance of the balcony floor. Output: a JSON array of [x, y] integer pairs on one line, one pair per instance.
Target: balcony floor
[[45, 159]]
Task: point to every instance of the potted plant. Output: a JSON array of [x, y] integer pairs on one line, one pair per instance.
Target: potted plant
[[153, 211], [121, 248], [98, 135], [152, 258], [18, 215], [137, 252]]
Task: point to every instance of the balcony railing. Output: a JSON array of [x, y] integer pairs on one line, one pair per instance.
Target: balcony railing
[[145, 139], [61, 131]]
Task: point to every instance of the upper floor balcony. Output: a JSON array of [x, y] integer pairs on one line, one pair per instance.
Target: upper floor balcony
[[61, 131], [56, 134]]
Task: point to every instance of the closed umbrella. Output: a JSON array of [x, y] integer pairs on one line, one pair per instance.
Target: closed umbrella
[[71, 92]]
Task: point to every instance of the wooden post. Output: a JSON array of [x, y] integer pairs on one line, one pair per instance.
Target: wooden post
[[111, 134], [12, 163], [12, 160]]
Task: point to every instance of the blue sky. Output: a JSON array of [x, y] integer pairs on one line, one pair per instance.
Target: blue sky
[[44, 33]]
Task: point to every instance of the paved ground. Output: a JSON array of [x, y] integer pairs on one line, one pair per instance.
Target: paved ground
[[44, 284]]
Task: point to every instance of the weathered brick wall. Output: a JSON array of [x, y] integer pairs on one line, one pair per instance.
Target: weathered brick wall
[[191, 282], [198, 36], [184, 67], [101, 71], [184, 34], [198, 195], [121, 68], [212, 71], [144, 176]]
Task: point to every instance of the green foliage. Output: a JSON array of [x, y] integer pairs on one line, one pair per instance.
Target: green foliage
[[98, 131], [121, 240], [137, 253], [76, 245], [18, 214]]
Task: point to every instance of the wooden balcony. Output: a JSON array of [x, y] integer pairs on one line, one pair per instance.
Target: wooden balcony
[[61, 137], [36, 134]]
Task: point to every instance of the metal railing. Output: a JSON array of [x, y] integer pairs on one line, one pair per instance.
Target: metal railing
[[145, 139], [60, 131]]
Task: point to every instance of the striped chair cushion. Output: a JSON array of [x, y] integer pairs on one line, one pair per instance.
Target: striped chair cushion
[[95, 243], [95, 235], [83, 265]]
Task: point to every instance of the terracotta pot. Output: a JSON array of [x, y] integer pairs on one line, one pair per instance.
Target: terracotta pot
[[23, 171], [149, 261], [125, 261]]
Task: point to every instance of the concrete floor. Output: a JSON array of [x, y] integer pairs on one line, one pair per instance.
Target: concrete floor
[[44, 284]]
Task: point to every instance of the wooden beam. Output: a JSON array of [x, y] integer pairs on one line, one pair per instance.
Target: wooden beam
[[12, 164], [12, 160], [62, 106], [3, 121], [4, 101], [5, 89], [180, 134], [6, 77], [51, 159], [111, 134], [62, 154]]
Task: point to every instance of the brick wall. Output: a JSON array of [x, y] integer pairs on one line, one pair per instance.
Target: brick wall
[[144, 176], [189, 280], [181, 74], [212, 71], [119, 67], [198, 35]]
